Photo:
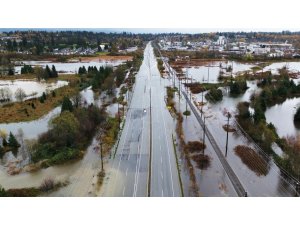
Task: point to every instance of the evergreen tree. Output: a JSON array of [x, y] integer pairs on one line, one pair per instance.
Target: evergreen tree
[[54, 72], [47, 72], [12, 141], [1, 151], [10, 72], [66, 105], [3, 193], [83, 69], [80, 71], [297, 116], [44, 96], [4, 142]]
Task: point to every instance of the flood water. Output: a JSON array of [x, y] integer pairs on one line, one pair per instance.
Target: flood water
[[213, 180], [31, 88], [210, 72], [69, 67], [271, 184], [292, 66], [229, 102], [83, 169], [282, 116], [33, 128], [80, 175]]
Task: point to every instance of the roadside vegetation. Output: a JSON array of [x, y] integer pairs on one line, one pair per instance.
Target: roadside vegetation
[[160, 66], [252, 160], [193, 150]]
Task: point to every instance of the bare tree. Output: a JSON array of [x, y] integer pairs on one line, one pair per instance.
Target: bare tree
[[77, 99], [20, 94], [5, 94], [20, 137]]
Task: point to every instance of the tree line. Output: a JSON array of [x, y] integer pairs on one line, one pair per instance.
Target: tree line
[[40, 72]]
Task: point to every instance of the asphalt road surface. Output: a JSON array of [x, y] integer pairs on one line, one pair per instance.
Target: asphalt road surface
[[131, 173]]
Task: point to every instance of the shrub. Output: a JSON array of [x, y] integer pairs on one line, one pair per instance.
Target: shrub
[[23, 192], [47, 185], [195, 87], [214, 95], [252, 160], [203, 161], [187, 113], [195, 146], [63, 155], [229, 128], [238, 87]]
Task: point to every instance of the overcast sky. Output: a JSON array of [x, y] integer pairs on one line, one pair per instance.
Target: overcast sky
[[156, 30]]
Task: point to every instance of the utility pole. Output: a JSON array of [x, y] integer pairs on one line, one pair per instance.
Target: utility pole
[[101, 149], [186, 76], [231, 71], [101, 154], [202, 104], [173, 79], [208, 74], [204, 133], [228, 117], [119, 116], [179, 88], [185, 108]]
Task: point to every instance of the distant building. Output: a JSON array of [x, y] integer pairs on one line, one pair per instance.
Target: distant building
[[221, 41]]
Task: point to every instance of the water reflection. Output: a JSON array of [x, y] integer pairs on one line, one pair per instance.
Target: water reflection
[[282, 116]]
